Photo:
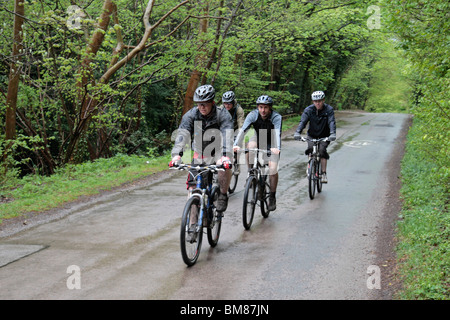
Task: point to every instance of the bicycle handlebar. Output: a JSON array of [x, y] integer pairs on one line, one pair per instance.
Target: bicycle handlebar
[[315, 140], [211, 167]]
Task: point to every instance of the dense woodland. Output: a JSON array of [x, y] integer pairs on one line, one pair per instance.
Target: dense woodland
[[82, 80]]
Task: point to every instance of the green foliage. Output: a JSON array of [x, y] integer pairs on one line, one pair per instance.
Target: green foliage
[[424, 231]]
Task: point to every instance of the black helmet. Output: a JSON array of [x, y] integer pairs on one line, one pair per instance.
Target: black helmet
[[204, 93], [264, 99], [228, 96]]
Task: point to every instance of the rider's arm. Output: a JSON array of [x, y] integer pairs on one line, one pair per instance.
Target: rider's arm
[[240, 117], [277, 122], [183, 136], [332, 122], [303, 121], [227, 131], [251, 117]]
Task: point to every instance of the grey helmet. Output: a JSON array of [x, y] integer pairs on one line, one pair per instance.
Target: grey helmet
[[228, 97], [204, 93], [264, 99], [318, 95]]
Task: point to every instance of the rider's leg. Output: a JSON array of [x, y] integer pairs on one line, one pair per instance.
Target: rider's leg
[[223, 178], [252, 144], [324, 159], [273, 181]]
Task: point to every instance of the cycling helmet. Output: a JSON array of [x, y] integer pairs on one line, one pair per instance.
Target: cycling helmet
[[228, 97], [318, 95], [264, 99], [204, 93]]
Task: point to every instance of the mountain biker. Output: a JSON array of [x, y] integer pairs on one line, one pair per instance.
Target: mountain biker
[[234, 108], [267, 124], [322, 124], [237, 114], [211, 131]]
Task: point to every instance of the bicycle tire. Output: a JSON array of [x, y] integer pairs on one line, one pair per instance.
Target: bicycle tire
[[264, 201], [234, 179], [312, 178], [214, 219], [319, 178], [190, 250], [248, 208]]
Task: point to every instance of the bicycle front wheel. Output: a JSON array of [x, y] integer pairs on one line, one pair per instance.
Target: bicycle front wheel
[[265, 193], [312, 178], [214, 219], [248, 208], [190, 241], [319, 176], [234, 178]]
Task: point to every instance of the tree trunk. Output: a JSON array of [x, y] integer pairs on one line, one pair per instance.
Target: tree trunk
[[14, 74], [196, 74]]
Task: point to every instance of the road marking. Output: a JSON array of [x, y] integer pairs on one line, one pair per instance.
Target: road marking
[[359, 143]]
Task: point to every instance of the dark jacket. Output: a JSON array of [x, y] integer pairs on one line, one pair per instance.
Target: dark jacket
[[204, 131], [321, 122], [274, 122]]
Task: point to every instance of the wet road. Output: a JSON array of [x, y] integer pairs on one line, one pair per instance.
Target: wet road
[[128, 246]]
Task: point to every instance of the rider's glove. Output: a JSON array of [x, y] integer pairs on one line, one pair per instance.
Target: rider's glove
[[175, 161], [332, 137], [226, 162], [297, 136]]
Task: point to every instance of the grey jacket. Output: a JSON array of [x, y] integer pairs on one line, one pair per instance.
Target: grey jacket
[[207, 134]]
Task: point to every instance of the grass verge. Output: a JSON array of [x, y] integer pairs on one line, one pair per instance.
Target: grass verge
[[424, 229], [38, 193]]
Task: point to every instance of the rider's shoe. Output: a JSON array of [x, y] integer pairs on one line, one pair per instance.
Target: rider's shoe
[[324, 178], [222, 202], [191, 235], [272, 203]]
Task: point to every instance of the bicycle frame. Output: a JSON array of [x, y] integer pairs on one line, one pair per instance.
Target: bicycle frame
[[200, 191], [314, 164]]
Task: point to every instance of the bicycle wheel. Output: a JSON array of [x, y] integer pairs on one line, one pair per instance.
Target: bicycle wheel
[[248, 208], [319, 176], [312, 178], [214, 218], [264, 201], [190, 243], [234, 178]]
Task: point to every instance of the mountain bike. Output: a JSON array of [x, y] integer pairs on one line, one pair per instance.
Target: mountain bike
[[234, 174], [200, 212], [257, 188], [314, 169]]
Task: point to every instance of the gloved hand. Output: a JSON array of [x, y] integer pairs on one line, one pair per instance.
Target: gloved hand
[[332, 137], [226, 162], [297, 136], [175, 161]]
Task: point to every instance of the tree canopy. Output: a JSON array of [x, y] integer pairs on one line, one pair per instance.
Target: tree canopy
[[107, 77]]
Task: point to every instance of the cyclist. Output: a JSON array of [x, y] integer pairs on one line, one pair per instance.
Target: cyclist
[[211, 131], [234, 108], [322, 124], [237, 113], [267, 124]]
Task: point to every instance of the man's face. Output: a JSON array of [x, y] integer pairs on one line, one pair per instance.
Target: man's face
[[205, 107], [228, 105], [318, 104], [264, 110]]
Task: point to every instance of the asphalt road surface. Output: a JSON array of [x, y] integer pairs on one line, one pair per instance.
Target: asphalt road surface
[[126, 245]]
